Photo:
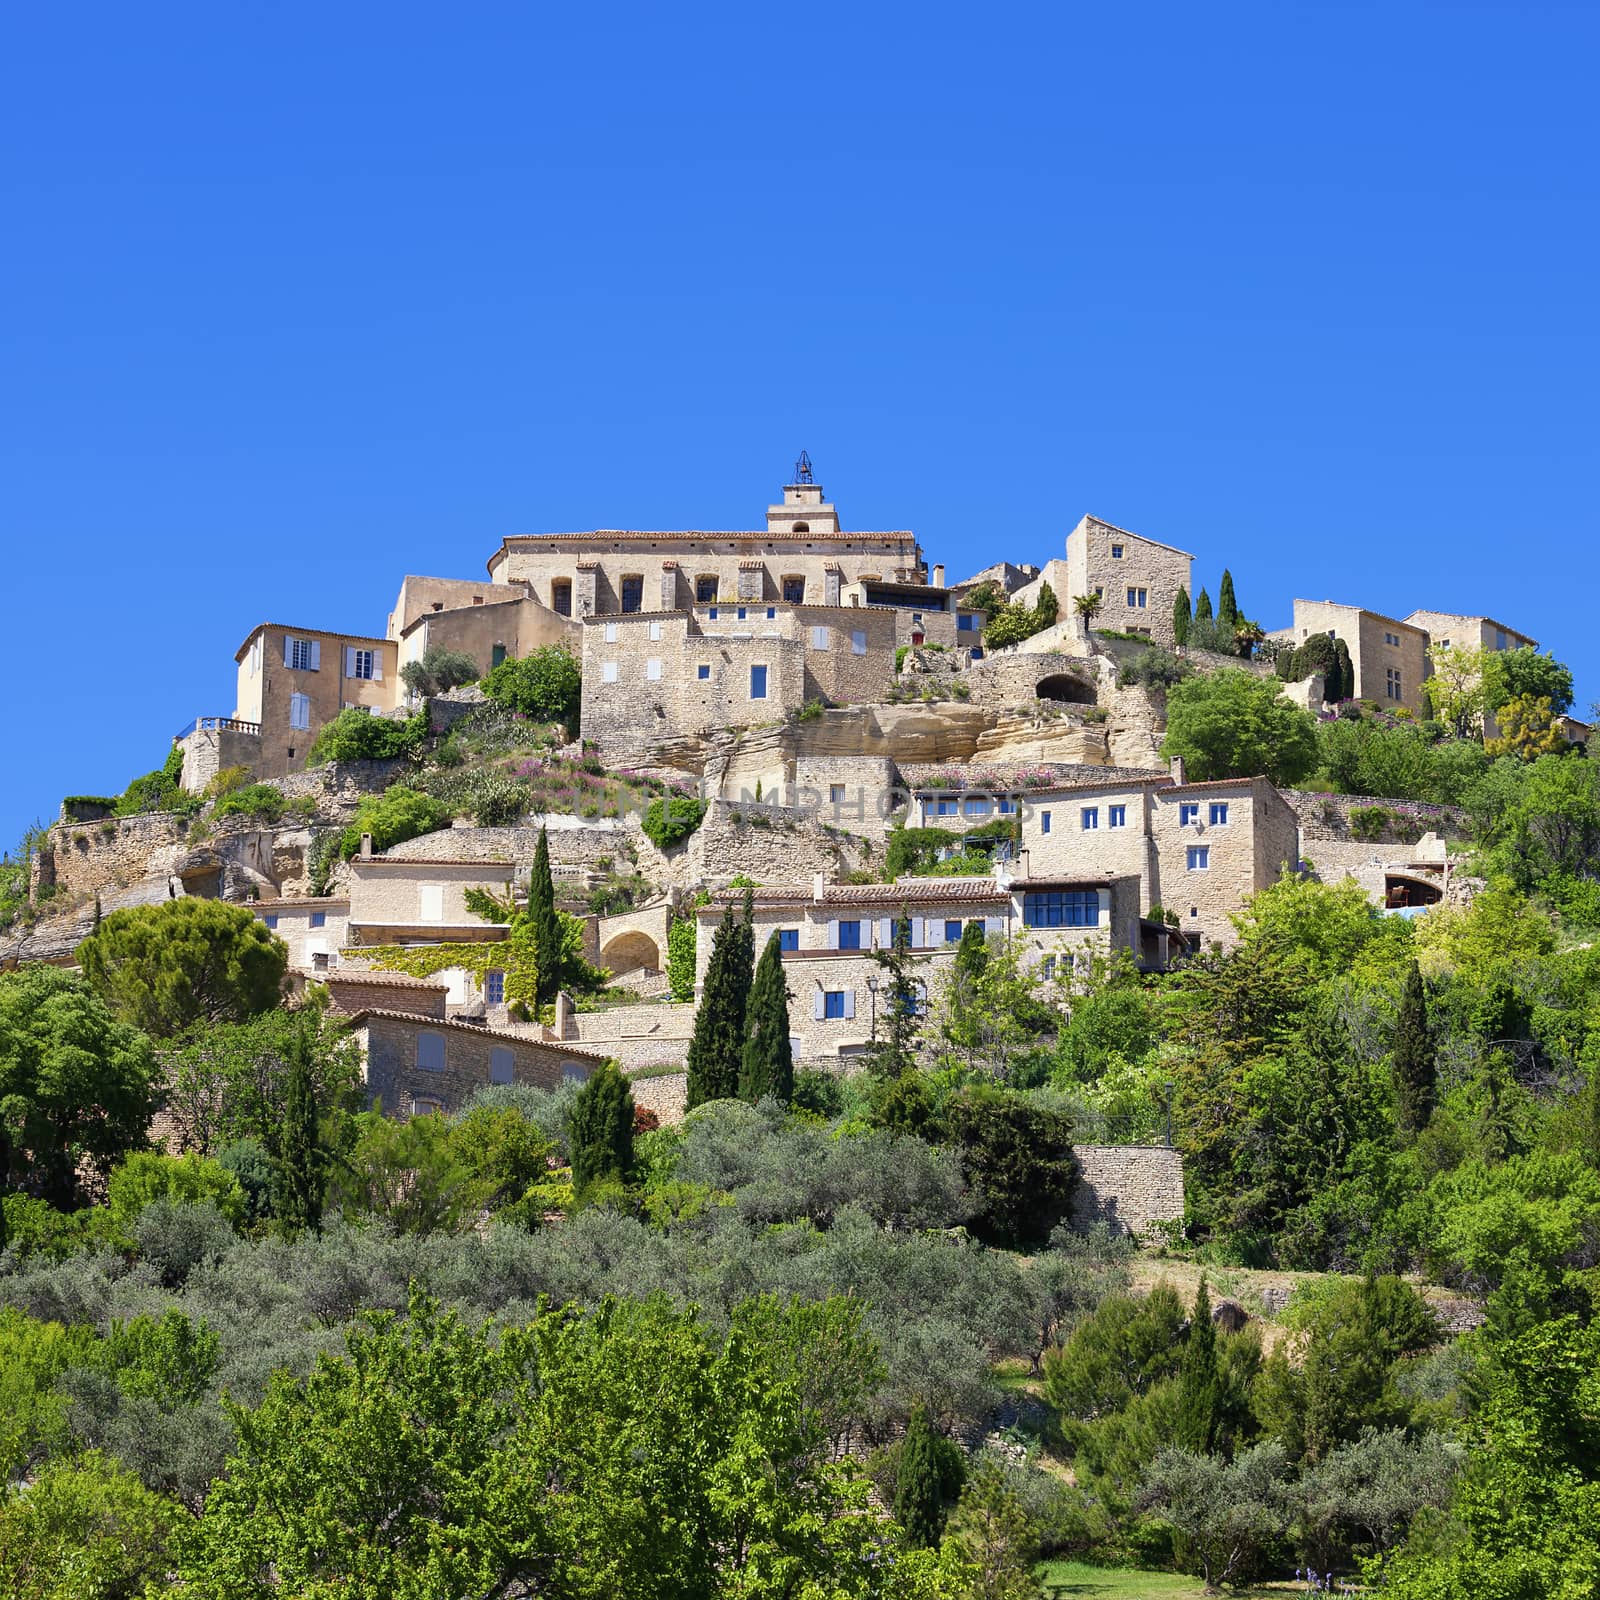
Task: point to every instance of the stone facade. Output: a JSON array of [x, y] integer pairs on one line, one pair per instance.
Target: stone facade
[[1389, 656], [413, 1064], [353, 992], [401, 900], [1448, 628], [1137, 578], [212, 744], [314, 930], [488, 630], [1128, 1187]]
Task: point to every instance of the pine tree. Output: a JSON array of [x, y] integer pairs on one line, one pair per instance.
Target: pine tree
[[1413, 1057], [919, 1483], [1202, 607], [545, 921], [1227, 605], [601, 1130], [1197, 1380], [302, 1161], [717, 1044], [767, 1067], [1181, 616]]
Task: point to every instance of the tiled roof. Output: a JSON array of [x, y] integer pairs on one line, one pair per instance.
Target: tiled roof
[[296, 903], [385, 980], [925, 775], [1150, 780], [598, 535], [1366, 611], [918, 891], [321, 633], [1069, 880], [387, 860], [432, 1024], [1214, 783]]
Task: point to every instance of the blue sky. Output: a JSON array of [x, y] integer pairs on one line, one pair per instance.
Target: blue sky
[[297, 299]]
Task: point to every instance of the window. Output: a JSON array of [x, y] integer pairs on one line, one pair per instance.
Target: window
[[255, 655], [819, 638], [1199, 858], [430, 1052], [916, 617], [966, 622], [1188, 814], [850, 935], [1044, 822], [741, 614], [494, 988], [772, 613], [1444, 644], [430, 897], [858, 641], [500, 1064], [952, 930], [1047, 967], [1116, 816], [561, 597], [1194, 911], [976, 807], [1116, 552], [1499, 638], [271, 920], [497, 655], [794, 591], [359, 663], [1061, 908], [833, 1004], [424, 1105], [1219, 813], [712, 614], [788, 939], [1137, 599], [703, 671], [945, 808], [1089, 817], [1391, 685], [1007, 805], [705, 589], [302, 655], [611, 633], [758, 683], [319, 919], [608, 672], [652, 669], [321, 960], [836, 794], [655, 630], [633, 593], [299, 711], [1391, 638]]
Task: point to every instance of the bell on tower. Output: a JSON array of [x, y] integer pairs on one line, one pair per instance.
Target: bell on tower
[[803, 510]]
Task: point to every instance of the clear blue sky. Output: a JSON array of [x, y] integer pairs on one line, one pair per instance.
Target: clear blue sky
[[297, 299]]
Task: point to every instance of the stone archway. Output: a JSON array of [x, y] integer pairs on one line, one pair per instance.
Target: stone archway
[[1402, 890], [1067, 688], [631, 952]]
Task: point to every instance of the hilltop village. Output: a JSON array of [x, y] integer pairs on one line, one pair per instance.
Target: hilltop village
[[802, 712]]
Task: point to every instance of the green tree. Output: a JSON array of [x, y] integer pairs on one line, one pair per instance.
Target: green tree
[[302, 1161], [1525, 674], [440, 670], [1227, 1512], [670, 819], [1345, 676], [1018, 1155], [1414, 1069], [1232, 724], [544, 921], [682, 934], [1046, 608], [928, 1474], [1227, 606], [148, 1175], [1529, 728], [716, 1047], [358, 735], [545, 685], [601, 1131], [767, 1064], [161, 968], [1181, 617], [1455, 688], [396, 815], [900, 1004], [1202, 607], [1088, 607], [1197, 1378], [993, 1531], [77, 1086]]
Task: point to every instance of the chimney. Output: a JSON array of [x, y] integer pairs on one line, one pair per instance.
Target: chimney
[[1177, 769], [938, 575], [817, 881], [366, 847]]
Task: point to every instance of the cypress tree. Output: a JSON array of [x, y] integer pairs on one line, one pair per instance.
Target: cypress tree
[[1197, 1380], [718, 1040], [1227, 605], [1347, 672], [545, 921], [301, 1159], [1202, 607], [925, 1477], [1046, 608], [1181, 616], [972, 954], [601, 1130], [767, 1066], [1413, 1057]]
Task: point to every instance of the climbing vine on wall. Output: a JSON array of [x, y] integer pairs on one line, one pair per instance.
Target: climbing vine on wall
[[514, 955]]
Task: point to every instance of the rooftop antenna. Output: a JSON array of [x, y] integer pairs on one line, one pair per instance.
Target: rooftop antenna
[[802, 469]]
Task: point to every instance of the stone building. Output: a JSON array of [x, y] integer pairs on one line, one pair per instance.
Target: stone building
[[291, 681], [1390, 657], [314, 930], [1136, 578], [650, 674], [413, 1065], [1197, 849], [1445, 629], [397, 900], [487, 621]]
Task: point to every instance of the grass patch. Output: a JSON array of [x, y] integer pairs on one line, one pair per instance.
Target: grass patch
[[1075, 1580]]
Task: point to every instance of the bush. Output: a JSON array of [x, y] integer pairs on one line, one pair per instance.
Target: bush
[[259, 800], [1018, 1155], [1369, 823], [1233, 725], [357, 735], [546, 685], [160, 790], [669, 821], [392, 818], [147, 1176], [1154, 668], [439, 670], [496, 798]]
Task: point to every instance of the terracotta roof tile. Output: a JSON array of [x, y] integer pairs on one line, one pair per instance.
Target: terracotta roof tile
[[432, 1024]]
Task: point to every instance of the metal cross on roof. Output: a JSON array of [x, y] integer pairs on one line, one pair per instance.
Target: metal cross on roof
[[802, 469]]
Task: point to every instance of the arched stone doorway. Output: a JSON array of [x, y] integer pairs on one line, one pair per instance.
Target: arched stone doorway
[[1066, 688], [631, 952]]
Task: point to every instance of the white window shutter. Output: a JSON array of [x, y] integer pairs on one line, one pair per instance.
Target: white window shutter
[[316, 655], [377, 666], [288, 651], [833, 934], [885, 932], [849, 1005], [994, 925], [818, 1001]]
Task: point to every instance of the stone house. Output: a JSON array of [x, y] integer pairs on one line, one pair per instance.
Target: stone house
[[481, 619], [1390, 657], [1137, 578], [1198, 849], [351, 991], [397, 900], [1447, 628], [315, 930], [291, 681], [651, 674], [413, 1065]]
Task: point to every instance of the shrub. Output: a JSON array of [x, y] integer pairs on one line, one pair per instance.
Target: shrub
[[160, 790], [1369, 823], [357, 735], [259, 800], [1153, 668], [497, 799], [147, 1176], [668, 821], [393, 817], [546, 685], [439, 670]]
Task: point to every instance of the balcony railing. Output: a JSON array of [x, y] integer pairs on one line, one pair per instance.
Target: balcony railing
[[218, 725]]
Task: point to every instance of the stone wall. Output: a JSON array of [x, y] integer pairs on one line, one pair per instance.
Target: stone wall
[[769, 844], [1327, 816], [1129, 1187], [208, 751], [87, 858]]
